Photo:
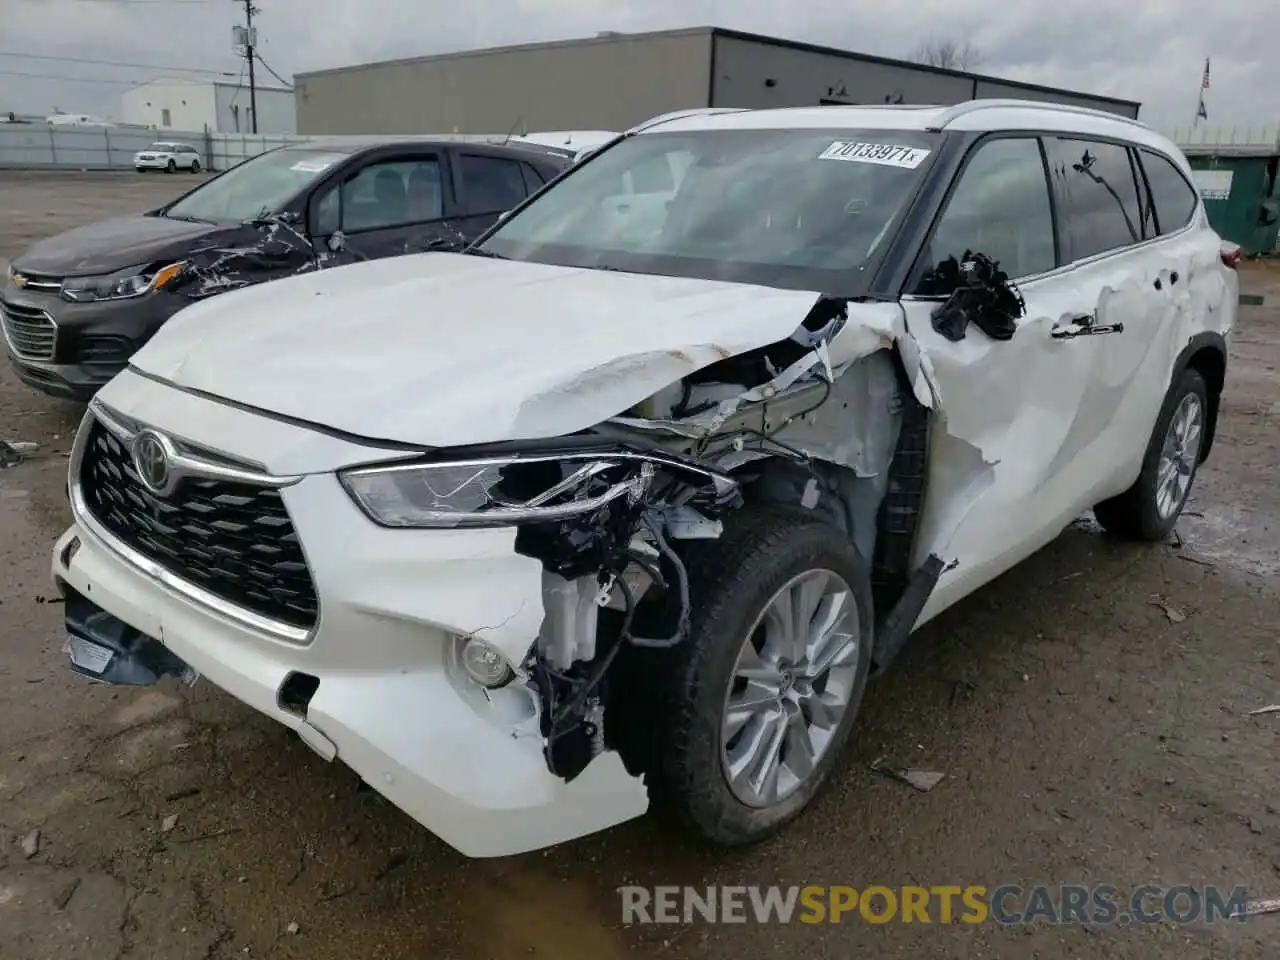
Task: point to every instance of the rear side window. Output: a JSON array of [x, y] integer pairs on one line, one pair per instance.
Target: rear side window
[[1173, 199], [490, 184], [1099, 197], [999, 207]]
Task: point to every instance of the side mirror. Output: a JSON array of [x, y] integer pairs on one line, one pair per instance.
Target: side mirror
[[337, 242]]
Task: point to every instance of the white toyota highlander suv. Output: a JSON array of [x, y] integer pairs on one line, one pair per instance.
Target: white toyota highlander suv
[[633, 496]]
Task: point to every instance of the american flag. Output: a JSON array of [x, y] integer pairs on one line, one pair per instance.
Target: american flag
[[1204, 81]]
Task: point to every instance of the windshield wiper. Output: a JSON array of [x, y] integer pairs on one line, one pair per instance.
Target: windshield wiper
[[177, 216], [480, 252]]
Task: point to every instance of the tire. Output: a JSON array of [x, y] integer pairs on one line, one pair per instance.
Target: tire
[[170, 167], [141, 169], [195, 166], [1140, 513], [732, 581]]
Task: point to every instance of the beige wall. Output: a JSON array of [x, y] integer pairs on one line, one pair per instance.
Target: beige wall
[[607, 83], [806, 77]]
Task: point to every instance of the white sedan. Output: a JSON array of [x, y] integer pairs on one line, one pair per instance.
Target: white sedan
[[169, 157]]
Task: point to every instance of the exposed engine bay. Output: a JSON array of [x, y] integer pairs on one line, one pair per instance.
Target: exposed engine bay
[[779, 425]]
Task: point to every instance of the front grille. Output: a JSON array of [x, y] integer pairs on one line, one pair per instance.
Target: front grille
[[30, 332], [233, 539], [41, 282]]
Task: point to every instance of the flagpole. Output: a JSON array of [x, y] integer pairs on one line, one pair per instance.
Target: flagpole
[[1201, 113]]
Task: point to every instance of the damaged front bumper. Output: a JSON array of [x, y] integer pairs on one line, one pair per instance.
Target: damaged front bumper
[[382, 687]]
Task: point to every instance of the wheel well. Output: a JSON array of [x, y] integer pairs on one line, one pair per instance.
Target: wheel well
[[888, 534], [1211, 364]]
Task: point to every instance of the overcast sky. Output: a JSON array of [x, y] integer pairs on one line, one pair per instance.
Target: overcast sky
[[1147, 50]]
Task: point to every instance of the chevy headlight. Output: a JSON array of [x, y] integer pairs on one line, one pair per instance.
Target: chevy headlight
[[497, 491], [130, 282]]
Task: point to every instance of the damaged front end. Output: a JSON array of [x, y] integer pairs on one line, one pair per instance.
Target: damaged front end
[[824, 422], [600, 520]]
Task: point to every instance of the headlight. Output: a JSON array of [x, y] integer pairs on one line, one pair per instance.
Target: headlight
[[131, 282], [498, 491]]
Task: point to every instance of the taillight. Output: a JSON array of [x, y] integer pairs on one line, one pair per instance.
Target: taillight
[[1231, 255]]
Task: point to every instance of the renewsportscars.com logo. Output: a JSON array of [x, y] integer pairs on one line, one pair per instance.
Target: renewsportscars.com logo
[[1008, 904]]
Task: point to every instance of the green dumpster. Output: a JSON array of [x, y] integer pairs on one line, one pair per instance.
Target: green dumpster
[[1242, 197]]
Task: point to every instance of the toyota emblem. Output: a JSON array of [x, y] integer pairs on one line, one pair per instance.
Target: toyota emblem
[[151, 460]]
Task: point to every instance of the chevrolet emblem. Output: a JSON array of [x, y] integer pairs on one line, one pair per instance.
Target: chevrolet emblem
[[19, 280]]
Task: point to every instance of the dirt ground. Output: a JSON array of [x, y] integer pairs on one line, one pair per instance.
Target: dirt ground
[[1089, 736]]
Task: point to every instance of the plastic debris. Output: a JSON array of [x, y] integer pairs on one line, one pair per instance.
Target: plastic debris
[[1173, 613], [9, 455], [31, 844], [168, 823], [1274, 708], [922, 780]]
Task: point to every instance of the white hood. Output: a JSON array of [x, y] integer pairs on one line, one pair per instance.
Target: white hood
[[449, 349]]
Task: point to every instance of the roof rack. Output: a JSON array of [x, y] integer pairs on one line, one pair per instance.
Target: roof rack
[[681, 114], [974, 106]]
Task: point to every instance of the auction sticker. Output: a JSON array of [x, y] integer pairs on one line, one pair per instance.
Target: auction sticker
[[317, 164], [884, 154]]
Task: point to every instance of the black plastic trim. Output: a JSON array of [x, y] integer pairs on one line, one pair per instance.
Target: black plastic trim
[[137, 660]]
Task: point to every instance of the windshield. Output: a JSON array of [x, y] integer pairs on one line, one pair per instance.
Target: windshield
[[161, 147], [802, 209], [257, 187]]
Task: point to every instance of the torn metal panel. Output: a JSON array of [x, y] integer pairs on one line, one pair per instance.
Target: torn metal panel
[[252, 253], [1035, 429], [277, 246]]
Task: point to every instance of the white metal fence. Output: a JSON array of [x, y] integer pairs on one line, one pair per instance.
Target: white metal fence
[[33, 146], [39, 145]]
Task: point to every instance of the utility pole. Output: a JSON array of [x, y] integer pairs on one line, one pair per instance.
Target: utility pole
[[249, 44]]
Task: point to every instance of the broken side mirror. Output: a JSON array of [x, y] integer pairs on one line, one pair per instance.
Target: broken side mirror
[[337, 242]]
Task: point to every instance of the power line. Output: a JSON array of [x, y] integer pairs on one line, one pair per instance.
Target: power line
[[273, 73], [67, 79], [199, 3], [115, 63]]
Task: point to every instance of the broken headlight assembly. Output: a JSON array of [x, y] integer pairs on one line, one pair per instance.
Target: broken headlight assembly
[[127, 283], [497, 491]]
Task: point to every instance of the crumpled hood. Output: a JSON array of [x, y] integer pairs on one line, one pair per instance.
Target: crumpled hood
[[448, 349], [111, 245]]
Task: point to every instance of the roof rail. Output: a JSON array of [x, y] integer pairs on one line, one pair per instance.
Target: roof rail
[[974, 106], [681, 114]]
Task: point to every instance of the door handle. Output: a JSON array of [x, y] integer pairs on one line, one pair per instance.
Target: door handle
[[1084, 326]]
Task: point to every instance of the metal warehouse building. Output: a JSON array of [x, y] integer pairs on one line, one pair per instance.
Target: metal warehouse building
[[614, 81]]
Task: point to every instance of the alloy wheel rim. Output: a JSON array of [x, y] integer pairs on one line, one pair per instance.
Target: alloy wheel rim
[[1179, 456], [791, 687]]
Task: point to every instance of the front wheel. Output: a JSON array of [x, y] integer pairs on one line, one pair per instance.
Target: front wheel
[[170, 167], [195, 166], [761, 696], [1149, 509]]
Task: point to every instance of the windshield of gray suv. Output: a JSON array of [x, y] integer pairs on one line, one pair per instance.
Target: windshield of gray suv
[[802, 209], [257, 187]]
